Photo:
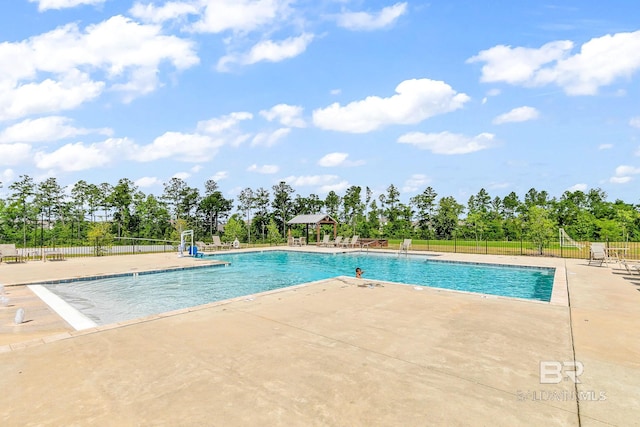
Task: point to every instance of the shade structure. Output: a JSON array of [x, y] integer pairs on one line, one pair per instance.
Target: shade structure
[[317, 220]]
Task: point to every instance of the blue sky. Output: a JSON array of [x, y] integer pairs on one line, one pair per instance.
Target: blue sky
[[324, 94]]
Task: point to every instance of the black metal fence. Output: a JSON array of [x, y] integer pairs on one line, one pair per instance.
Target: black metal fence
[[129, 246], [620, 250]]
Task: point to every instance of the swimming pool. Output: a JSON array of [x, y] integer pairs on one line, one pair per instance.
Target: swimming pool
[[122, 298]]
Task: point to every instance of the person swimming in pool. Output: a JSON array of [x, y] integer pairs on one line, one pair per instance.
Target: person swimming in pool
[[359, 273]]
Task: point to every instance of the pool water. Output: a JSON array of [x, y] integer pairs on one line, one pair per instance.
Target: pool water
[[121, 298]]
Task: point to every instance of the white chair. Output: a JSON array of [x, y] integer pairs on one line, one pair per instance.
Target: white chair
[[405, 245], [350, 243], [217, 243], [598, 254], [325, 240], [631, 268]]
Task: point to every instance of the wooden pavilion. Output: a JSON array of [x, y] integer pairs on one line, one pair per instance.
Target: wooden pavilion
[[318, 220]]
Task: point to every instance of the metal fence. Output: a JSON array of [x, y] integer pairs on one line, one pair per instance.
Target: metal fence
[[99, 247], [622, 250], [129, 246]]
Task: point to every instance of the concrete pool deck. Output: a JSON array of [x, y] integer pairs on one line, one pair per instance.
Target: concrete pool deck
[[329, 353]]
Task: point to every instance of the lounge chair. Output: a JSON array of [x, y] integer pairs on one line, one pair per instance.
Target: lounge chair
[[204, 247], [325, 240], [631, 268], [405, 245], [217, 243], [9, 251], [350, 242], [598, 254], [297, 241], [58, 254], [336, 242]]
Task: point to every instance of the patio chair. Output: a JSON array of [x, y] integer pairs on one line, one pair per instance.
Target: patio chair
[[631, 268], [405, 245], [598, 254], [9, 251], [350, 243], [217, 243], [345, 243], [325, 240], [58, 254], [203, 247], [336, 242]]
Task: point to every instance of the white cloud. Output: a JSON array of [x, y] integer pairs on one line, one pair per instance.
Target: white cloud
[[518, 65], [268, 139], [287, 115], [8, 175], [48, 96], [415, 101], [14, 154], [605, 146], [627, 170], [363, 21], [240, 15], [159, 14], [578, 187], [600, 62], [447, 143], [520, 114], [325, 183], [50, 72], [335, 91], [147, 181], [268, 50], [338, 159], [332, 159], [226, 122], [265, 169], [179, 146], [624, 174], [415, 183], [182, 175], [620, 179], [338, 187], [45, 129], [220, 175], [79, 156], [635, 122], [63, 4]]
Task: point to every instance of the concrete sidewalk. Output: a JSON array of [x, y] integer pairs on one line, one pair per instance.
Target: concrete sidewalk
[[331, 353]]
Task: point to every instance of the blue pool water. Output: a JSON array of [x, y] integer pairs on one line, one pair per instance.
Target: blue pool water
[[121, 298]]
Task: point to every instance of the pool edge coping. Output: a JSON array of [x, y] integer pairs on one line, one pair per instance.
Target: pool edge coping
[[559, 296]]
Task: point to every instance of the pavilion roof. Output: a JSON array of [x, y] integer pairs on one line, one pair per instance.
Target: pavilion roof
[[312, 219]]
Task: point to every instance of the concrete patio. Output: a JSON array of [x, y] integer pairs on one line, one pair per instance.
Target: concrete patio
[[332, 353]]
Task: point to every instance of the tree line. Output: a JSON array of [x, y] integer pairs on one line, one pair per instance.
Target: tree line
[[46, 213]]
